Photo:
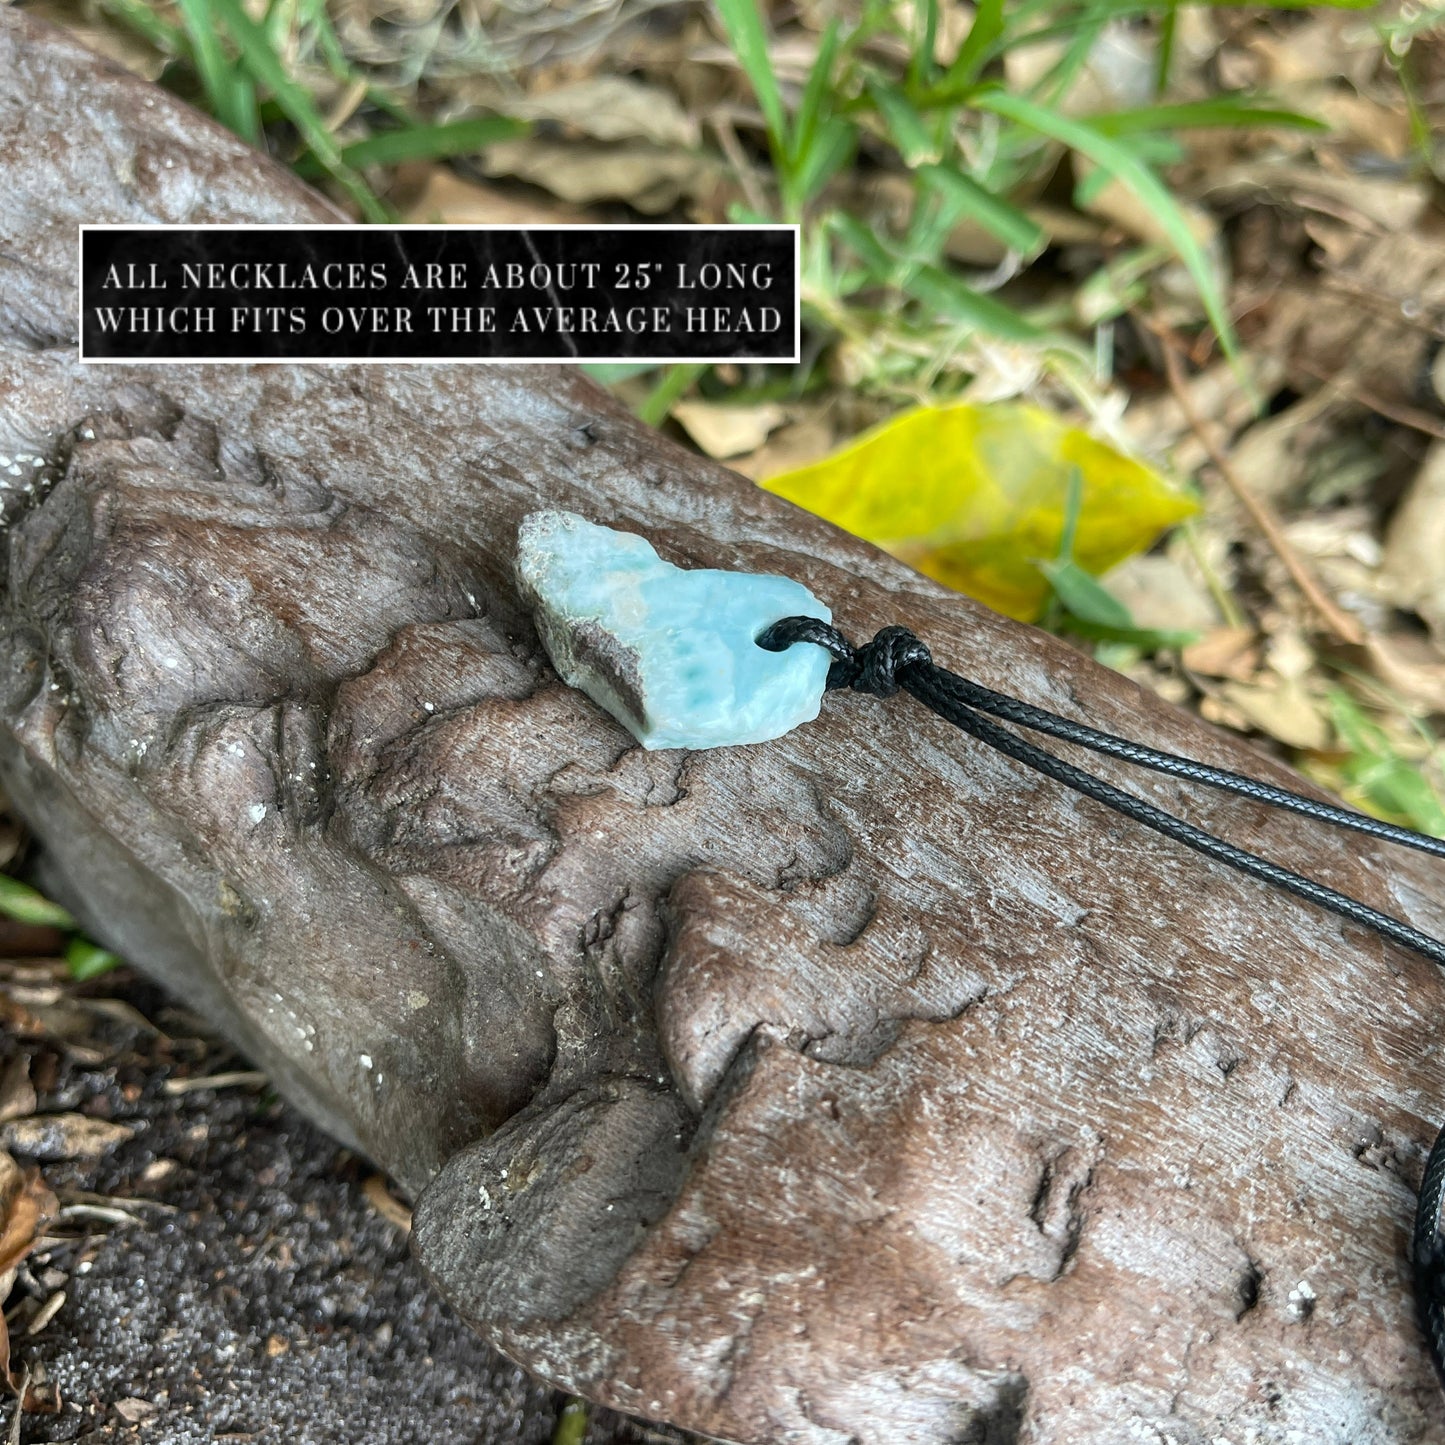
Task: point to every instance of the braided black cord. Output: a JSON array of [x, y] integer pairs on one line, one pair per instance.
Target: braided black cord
[[924, 688], [961, 692], [1012, 709], [896, 658], [1428, 1250]]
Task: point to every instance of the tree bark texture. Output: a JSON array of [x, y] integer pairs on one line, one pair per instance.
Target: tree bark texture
[[860, 1086]]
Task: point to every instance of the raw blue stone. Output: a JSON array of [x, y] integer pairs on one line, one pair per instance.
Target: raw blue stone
[[671, 653]]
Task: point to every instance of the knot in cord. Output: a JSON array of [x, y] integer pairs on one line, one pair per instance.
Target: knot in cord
[[872, 668], [876, 665]]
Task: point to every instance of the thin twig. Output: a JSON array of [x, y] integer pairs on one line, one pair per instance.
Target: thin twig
[[240, 1079], [12, 1436], [1345, 627], [346, 104], [747, 177], [1396, 411]]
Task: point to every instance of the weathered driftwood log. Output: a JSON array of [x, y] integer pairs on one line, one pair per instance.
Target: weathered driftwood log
[[857, 1086]]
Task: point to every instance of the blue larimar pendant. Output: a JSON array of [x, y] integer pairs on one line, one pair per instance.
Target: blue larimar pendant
[[670, 652]]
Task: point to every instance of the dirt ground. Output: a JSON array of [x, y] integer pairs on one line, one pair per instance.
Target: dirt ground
[[229, 1273]]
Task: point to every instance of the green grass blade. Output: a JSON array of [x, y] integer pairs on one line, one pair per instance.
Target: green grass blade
[[137, 16], [327, 40], [1224, 110], [864, 244], [991, 212], [265, 66], [921, 65], [571, 1424], [225, 88], [949, 298], [1168, 37], [1146, 639], [609, 373], [749, 39], [831, 150], [86, 960], [1083, 596], [973, 54], [954, 300], [817, 90], [1073, 510], [26, 905], [910, 133], [432, 142], [676, 381], [1392, 786], [1082, 39], [1119, 161]]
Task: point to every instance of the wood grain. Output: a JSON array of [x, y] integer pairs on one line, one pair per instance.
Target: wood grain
[[860, 1086]]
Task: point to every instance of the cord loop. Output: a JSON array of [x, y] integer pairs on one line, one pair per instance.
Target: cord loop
[[876, 664], [872, 668]]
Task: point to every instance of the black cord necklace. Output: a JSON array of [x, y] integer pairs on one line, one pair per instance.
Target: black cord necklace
[[895, 659], [670, 653]]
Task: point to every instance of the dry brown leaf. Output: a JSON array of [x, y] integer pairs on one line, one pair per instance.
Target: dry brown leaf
[[794, 445], [44, 1013], [1350, 116], [1157, 426], [1231, 652], [1412, 666], [436, 194], [62, 1136], [453, 46], [379, 1196], [18, 1020], [1387, 295], [1412, 570], [1118, 72], [613, 108], [645, 176], [1284, 710], [1271, 456], [134, 1411], [1214, 709], [112, 41], [1160, 593], [43, 1398], [17, 1093], [1326, 46], [791, 54], [729, 431], [1288, 655], [26, 1207], [1381, 203]]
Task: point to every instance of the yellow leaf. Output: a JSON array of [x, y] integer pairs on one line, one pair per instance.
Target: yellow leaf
[[975, 496]]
